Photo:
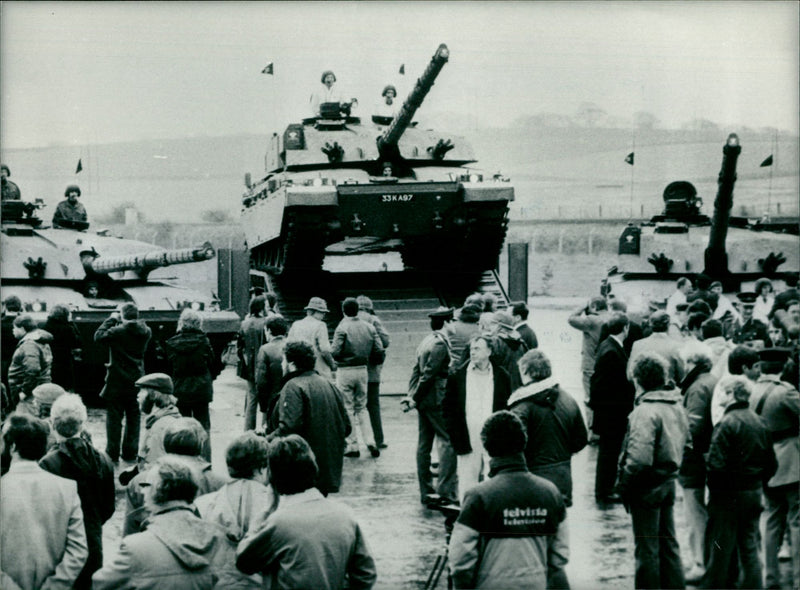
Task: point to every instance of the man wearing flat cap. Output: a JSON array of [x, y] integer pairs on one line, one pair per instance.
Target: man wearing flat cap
[[158, 405], [426, 389], [749, 330], [10, 189], [779, 406], [313, 330], [69, 210]]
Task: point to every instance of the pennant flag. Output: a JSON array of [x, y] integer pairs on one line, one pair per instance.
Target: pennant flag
[[79, 167], [767, 162], [629, 159], [268, 69], [403, 69]]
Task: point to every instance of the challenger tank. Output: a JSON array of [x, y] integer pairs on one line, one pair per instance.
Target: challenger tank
[[337, 181], [685, 242], [92, 273]]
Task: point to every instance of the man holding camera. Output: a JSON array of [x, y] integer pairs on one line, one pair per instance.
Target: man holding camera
[[126, 337]]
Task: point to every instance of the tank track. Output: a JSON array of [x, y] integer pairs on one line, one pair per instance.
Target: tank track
[[302, 248]]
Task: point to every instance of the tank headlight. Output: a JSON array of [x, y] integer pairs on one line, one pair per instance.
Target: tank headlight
[[37, 306], [474, 178], [197, 305], [317, 182]]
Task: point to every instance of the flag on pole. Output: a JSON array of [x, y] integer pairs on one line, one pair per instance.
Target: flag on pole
[[268, 69], [403, 69], [79, 167], [629, 159], [767, 162]]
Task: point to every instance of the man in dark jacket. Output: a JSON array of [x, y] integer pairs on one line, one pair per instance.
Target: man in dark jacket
[[511, 531], [251, 337], [697, 388], [519, 312], [651, 454], [312, 407], [76, 459], [740, 462], [553, 422], [194, 367], [426, 389], [473, 393], [269, 369], [611, 401], [126, 338], [65, 346]]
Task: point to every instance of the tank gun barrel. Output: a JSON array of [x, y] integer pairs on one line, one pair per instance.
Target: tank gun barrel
[[144, 263], [388, 141], [716, 258]]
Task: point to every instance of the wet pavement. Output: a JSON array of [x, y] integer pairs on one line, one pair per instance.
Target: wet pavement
[[405, 538]]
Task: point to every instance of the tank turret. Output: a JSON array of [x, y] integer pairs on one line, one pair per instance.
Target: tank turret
[[143, 264], [716, 258], [737, 251], [387, 143]]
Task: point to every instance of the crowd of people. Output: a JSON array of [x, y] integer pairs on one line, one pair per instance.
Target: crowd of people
[[692, 397]]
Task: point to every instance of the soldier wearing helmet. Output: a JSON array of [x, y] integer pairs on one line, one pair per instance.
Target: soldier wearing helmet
[[386, 109], [10, 190], [70, 210]]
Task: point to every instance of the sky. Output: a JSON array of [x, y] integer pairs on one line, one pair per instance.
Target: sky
[[87, 73]]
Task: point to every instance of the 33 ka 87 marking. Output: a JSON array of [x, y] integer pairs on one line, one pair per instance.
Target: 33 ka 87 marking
[[396, 198]]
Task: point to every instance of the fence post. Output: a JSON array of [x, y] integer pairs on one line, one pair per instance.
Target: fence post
[[591, 239], [561, 240]]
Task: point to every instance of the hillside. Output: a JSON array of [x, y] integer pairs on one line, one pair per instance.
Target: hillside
[[558, 171]]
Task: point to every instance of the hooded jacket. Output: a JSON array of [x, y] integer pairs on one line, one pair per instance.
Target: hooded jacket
[[30, 364], [238, 508], [654, 443], [127, 343], [76, 459], [178, 551], [193, 366], [136, 513], [151, 446], [555, 428]]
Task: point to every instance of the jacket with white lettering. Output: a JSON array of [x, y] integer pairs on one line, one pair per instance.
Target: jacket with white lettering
[[510, 532]]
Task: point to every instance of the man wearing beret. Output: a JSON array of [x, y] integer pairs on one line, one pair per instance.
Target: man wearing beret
[[779, 407], [10, 190], [426, 390], [126, 337], [69, 210], [749, 330]]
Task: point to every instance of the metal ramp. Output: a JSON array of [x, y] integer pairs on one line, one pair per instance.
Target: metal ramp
[[402, 300]]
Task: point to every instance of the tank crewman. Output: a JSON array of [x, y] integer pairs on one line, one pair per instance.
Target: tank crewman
[[328, 92], [10, 190], [386, 109], [69, 210], [749, 330]]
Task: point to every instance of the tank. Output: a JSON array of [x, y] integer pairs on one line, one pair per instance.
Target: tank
[[683, 241], [92, 273], [337, 183]]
